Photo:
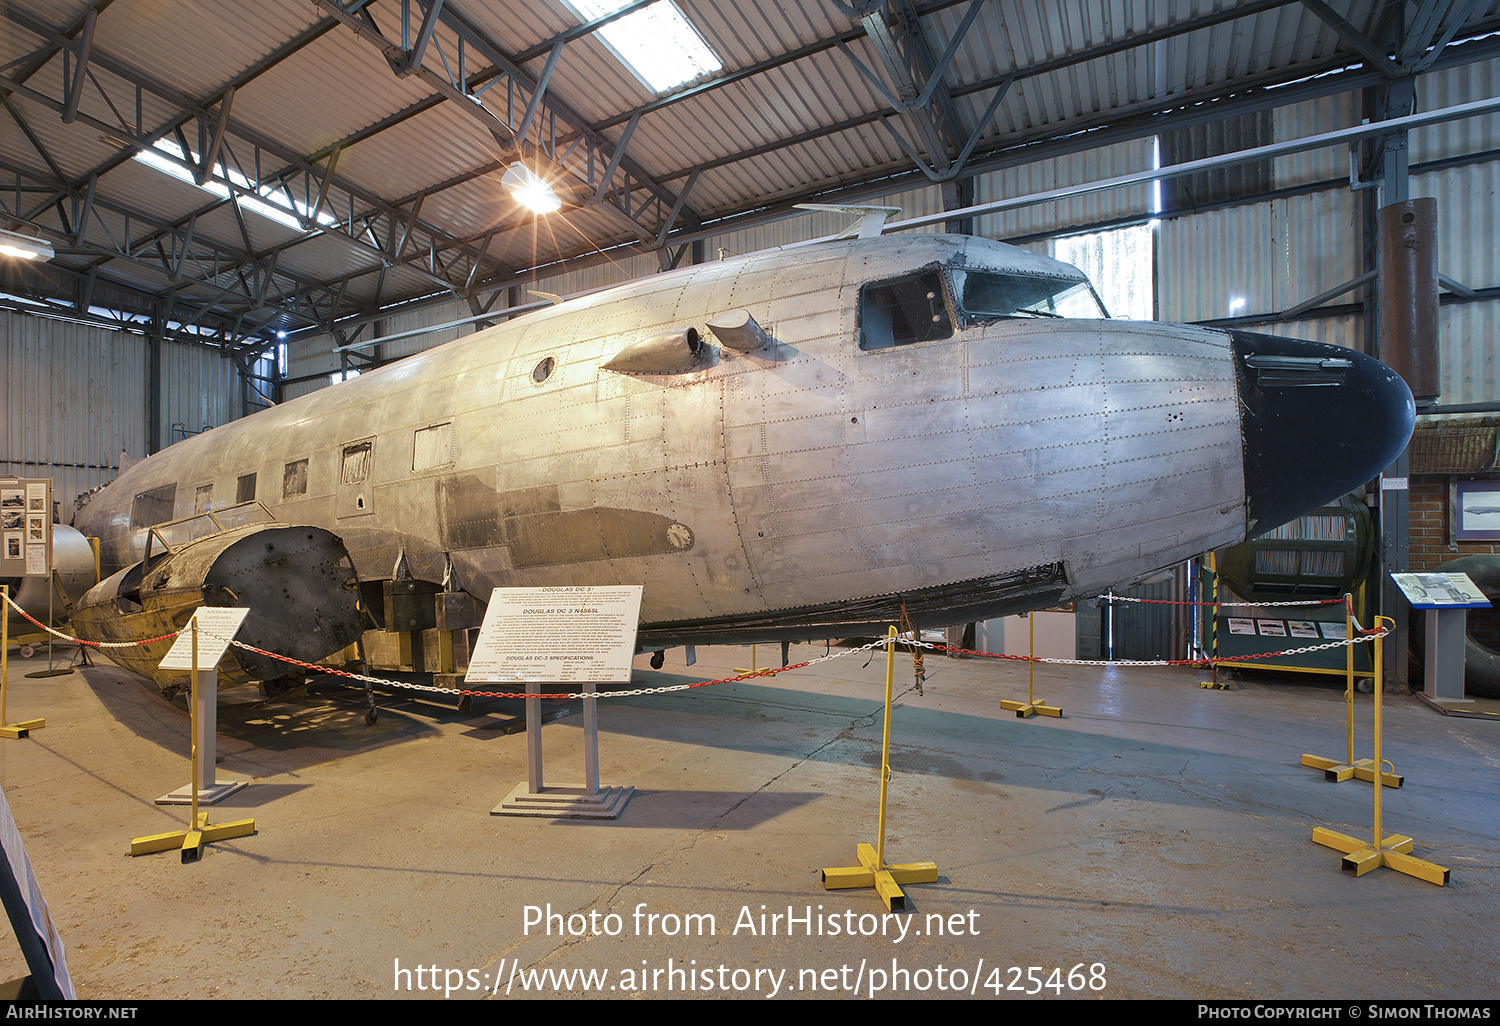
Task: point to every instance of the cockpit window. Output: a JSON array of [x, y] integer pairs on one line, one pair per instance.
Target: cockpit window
[[986, 295], [904, 310]]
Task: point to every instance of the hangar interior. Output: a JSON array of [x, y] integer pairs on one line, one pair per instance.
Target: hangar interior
[[241, 205]]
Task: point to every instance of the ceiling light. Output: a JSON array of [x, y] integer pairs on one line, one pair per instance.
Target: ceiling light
[[24, 246], [528, 189]]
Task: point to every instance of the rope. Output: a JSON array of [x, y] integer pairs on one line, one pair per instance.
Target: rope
[[79, 641]]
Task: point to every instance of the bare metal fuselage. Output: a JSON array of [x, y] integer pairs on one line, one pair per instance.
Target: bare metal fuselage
[[806, 485]]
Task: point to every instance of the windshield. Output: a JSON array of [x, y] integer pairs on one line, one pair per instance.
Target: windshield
[[986, 295]]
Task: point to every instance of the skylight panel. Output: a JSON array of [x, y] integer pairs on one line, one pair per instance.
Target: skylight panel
[[657, 43]]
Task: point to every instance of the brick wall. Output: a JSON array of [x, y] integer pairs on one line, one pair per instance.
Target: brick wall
[[1429, 546]]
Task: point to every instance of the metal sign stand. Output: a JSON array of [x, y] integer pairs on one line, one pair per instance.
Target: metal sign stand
[[569, 634], [8, 729], [50, 671], [872, 870], [587, 801], [191, 841], [25, 551], [205, 787], [1393, 851]]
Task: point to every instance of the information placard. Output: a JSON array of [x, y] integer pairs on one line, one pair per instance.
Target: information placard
[[1440, 591], [25, 527], [557, 635], [217, 626]]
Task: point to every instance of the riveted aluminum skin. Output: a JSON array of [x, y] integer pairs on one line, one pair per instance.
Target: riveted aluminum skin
[[802, 489]]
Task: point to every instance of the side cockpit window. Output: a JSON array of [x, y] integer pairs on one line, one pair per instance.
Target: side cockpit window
[[988, 295], [904, 310]]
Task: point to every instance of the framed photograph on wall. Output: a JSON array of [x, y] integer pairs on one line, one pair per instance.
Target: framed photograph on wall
[[1476, 510]]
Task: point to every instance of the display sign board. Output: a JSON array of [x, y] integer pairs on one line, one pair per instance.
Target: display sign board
[[25, 526], [557, 635], [217, 626], [1440, 591]]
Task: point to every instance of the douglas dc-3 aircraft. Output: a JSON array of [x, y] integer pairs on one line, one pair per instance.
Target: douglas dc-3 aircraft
[[790, 445]]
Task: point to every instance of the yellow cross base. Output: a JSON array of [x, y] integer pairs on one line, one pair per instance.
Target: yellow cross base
[[19, 730], [1363, 769], [1360, 857], [885, 879], [191, 842], [1025, 709]]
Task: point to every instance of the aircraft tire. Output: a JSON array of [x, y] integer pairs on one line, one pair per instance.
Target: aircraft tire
[[1481, 663]]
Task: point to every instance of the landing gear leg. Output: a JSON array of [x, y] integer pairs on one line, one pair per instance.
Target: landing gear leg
[[371, 713]]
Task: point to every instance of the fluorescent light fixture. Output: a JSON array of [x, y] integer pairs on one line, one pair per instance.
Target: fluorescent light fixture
[[26, 247], [528, 189], [1236, 304], [275, 202], [658, 44]]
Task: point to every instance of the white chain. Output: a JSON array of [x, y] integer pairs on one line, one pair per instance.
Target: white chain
[[80, 641], [769, 672], [1248, 605]]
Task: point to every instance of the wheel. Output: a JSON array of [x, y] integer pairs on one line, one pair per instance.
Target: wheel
[[371, 715], [27, 651], [1366, 685]]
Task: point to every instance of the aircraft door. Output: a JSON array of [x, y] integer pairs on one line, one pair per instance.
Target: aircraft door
[[356, 493]]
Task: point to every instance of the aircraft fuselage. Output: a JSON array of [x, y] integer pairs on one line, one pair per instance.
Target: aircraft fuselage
[[896, 439]]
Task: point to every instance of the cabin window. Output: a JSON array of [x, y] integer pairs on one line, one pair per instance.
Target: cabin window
[[356, 465], [903, 311], [203, 498], [294, 480], [244, 489], [543, 370], [988, 295], [433, 447], [153, 507]]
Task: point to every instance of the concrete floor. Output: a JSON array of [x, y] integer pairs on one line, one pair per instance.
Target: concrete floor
[[1157, 838]]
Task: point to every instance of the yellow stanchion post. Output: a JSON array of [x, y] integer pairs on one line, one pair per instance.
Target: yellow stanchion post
[[1031, 706], [1393, 851], [1350, 768], [191, 841], [8, 729], [872, 870], [754, 666], [1213, 631]]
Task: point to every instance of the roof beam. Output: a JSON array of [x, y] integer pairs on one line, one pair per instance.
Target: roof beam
[[1373, 55], [75, 86]]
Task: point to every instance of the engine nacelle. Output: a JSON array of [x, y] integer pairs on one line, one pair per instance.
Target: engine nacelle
[[74, 572], [298, 583]]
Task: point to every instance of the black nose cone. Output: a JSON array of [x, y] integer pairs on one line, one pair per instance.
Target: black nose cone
[[1318, 421]]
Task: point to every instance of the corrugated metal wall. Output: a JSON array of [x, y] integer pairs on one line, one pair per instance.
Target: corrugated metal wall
[[200, 389], [76, 395], [1066, 214]]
